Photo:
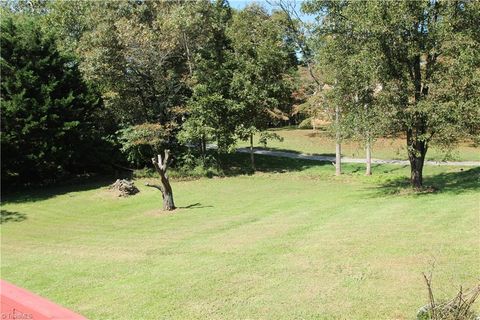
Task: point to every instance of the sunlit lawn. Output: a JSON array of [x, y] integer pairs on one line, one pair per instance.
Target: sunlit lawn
[[295, 243], [320, 142]]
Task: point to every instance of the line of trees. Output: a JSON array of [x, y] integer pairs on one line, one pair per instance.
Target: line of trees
[[86, 83], [89, 84], [50, 122], [405, 66]]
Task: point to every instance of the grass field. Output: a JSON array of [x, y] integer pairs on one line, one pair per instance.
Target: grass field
[[289, 242], [319, 142]]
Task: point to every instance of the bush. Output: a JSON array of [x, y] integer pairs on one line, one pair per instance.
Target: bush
[[49, 115], [306, 124], [193, 165]]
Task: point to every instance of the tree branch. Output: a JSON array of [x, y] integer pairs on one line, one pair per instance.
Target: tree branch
[[154, 186], [289, 11], [157, 166], [165, 160]]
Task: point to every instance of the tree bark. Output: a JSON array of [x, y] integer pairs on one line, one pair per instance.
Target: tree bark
[[416, 155], [416, 172], [338, 159], [416, 144], [161, 165], [338, 147], [188, 53], [368, 143], [368, 170], [203, 148], [252, 154]]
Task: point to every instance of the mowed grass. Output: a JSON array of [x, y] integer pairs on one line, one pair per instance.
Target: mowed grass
[[320, 142], [291, 243]]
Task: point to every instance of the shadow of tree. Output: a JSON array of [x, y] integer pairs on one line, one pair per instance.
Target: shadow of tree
[[37, 194], [446, 182], [287, 128], [11, 216], [390, 169], [297, 152], [239, 164], [322, 132], [232, 165], [197, 205]]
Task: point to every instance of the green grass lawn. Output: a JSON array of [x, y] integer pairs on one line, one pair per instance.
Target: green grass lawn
[[319, 142], [289, 242]]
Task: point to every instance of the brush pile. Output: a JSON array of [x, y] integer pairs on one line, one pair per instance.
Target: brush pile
[[124, 188], [458, 308]]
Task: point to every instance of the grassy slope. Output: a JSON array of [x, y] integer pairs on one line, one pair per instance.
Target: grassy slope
[[319, 142], [298, 244]]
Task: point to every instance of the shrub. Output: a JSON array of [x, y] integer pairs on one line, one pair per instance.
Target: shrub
[[306, 124]]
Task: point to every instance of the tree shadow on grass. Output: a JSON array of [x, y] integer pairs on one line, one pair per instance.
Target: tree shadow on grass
[[232, 165], [36, 193], [197, 205], [11, 216], [285, 128], [391, 169], [239, 164], [295, 152], [446, 182]]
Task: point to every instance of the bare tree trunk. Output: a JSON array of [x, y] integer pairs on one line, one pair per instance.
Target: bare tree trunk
[[298, 36], [338, 147], [203, 148], [368, 143], [161, 165], [368, 171], [188, 53], [252, 154], [338, 159]]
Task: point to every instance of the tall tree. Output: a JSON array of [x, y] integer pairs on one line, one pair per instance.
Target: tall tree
[[330, 95], [48, 112], [262, 82], [357, 91], [133, 51], [211, 111], [429, 62], [69, 20]]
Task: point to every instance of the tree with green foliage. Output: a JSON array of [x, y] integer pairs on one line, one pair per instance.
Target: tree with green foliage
[[48, 122], [133, 52], [319, 100], [142, 140], [69, 20], [262, 82], [354, 91], [138, 142], [211, 111], [428, 62]]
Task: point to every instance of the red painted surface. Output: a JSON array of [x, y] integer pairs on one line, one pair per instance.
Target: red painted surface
[[20, 304]]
